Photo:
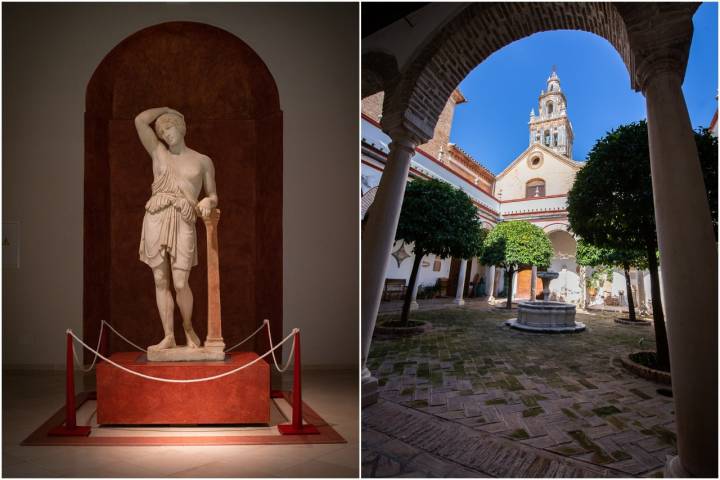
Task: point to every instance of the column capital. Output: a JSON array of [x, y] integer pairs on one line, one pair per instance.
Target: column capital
[[404, 126], [666, 61]]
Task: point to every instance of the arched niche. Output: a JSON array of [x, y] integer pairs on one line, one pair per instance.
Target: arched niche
[[231, 105]]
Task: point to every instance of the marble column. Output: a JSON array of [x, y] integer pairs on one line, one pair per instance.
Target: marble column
[[491, 284], [642, 299], [533, 281], [214, 340], [461, 283], [689, 263], [413, 299], [377, 241]]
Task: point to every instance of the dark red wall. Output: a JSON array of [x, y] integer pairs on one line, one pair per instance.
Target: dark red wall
[[232, 110]]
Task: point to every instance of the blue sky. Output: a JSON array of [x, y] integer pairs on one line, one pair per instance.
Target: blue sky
[[493, 125]]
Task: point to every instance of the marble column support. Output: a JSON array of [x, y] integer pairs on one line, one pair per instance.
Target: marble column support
[[377, 241], [461, 283], [689, 263], [491, 283], [214, 340]]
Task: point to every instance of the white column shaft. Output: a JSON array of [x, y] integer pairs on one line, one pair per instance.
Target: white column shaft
[[461, 283], [491, 282], [689, 263], [377, 240], [413, 298]]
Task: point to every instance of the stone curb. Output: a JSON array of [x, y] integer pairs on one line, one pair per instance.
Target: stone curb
[[645, 372], [636, 323]]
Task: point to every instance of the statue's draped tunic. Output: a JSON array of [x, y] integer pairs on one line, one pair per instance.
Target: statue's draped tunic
[[169, 224]]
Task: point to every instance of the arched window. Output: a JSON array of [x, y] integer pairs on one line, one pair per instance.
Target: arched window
[[547, 138], [535, 188], [549, 107]]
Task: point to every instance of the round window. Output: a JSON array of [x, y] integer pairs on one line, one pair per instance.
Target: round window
[[535, 162]]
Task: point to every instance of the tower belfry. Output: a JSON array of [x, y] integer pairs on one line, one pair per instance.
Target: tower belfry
[[551, 127]]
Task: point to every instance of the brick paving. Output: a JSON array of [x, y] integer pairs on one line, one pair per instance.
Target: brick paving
[[472, 398]]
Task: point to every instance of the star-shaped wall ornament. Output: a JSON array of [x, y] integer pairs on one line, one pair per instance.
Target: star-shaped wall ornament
[[400, 254]]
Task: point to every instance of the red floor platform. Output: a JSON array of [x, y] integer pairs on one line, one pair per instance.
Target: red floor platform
[[126, 399]]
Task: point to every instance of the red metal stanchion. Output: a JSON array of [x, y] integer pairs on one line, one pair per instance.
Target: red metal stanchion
[[297, 427], [70, 427]]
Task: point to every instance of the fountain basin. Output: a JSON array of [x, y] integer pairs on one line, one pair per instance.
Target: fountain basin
[[546, 317]]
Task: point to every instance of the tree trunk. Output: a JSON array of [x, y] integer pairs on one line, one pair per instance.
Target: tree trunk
[[408, 291], [509, 275], [628, 286], [661, 342]]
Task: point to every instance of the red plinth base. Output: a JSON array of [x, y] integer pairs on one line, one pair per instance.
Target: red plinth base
[[63, 431], [126, 399]]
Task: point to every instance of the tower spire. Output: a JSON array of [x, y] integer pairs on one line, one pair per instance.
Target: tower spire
[[551, 127]]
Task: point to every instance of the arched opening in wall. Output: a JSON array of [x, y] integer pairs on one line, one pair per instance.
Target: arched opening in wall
[[656, 59], [233, 115], [549, 106], [535, 188], [567, 286]]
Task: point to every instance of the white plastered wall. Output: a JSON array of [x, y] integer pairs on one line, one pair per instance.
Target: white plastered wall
[[558, 176], [49, 54]]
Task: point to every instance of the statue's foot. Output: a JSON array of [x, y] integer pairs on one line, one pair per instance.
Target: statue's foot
[[167, 342], [192, 339]]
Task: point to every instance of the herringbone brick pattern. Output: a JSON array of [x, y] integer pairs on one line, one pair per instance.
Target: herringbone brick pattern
[[480, 388]]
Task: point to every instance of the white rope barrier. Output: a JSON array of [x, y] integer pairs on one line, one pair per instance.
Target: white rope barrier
[[265, 322], [121, 336], [92, 365], [290, 355], [192, 380]]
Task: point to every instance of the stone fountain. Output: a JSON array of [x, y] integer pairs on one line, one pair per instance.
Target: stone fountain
[[546, 316]]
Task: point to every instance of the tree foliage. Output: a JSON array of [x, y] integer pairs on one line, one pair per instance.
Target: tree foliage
[[440, 219], [591, 256], [512, 244], [611, 202]]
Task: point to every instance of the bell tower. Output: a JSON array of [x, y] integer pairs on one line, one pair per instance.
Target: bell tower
[[551, 127]]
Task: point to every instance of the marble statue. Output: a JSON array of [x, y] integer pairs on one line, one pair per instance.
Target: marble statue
[[168, 241]]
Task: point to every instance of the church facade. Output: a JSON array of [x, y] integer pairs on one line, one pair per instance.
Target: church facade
[[533, 187]]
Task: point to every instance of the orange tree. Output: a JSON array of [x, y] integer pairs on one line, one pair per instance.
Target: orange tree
[[439, 219], [592, 256], [513, 244], [611, 204]]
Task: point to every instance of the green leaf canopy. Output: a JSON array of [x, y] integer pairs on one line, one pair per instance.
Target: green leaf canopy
[[517, 243], [439, 219], [591, 256]]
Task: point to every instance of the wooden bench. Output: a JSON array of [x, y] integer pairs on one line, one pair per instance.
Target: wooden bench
[[394, 287]]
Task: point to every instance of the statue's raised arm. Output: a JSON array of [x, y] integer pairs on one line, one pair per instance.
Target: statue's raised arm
[[145, 131]]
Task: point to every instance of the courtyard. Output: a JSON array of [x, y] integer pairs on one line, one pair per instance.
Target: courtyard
[[473, 398]]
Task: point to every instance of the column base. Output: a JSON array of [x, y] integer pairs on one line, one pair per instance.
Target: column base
[[414, 306], [459, 301], [214, 344], [675, 469], [369, 388], [491, 299]]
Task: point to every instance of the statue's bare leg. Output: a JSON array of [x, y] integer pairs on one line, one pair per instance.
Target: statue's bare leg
[[184, 298], [166, 306]]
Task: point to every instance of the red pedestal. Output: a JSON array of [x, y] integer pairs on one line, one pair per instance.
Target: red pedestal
[[126, 399]]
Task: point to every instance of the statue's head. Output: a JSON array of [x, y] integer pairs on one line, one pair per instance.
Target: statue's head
[[164, 124]]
